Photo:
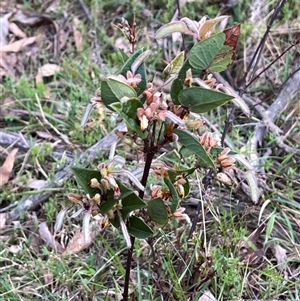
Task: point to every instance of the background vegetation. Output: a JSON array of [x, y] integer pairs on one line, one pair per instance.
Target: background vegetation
[[238, 249]]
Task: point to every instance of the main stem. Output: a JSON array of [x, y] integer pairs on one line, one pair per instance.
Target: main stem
[[149, 158]]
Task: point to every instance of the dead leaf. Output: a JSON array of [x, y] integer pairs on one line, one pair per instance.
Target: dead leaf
[[14, 28], [207, 296], [2, 220], [280, 255], [36, 184], [49, 238], [79, 243], [31, 19], [7, 62], [48, 277], [4, 24], [14, 249], [46, 70], [78, 38], [19, 45], [7, 167]]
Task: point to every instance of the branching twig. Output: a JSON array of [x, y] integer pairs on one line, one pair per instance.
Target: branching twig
[[260, 47], [45, 121], [255, 59], [99, 59]]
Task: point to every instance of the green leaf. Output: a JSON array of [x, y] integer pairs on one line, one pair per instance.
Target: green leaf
[[130, 203], [113, 90], [128, 111], [86, 115], [201, 100], [83, 177], [108, 204], [203, 53], [157, 211], [138, 228], [222, 60], [177, 84], [270, 225], [176, 26], [141, 69], [185, 152], [200, 58], [173, 68], [124, 55], [115, 221], [174, 198], [139, 60], [194, 146], [127, 66]]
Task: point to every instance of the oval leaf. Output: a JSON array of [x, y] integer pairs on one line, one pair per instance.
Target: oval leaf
[[209, 24], [113, 90], [131, 203], [174, 198], [222, 60], [176, 26], [203, 53], [177, 84], [194, 146], [128, 111], [139, 60], [201, 100], [108, 204], [135, 63], [127, 65], [157, 211], [83, 177], [173, 68], [138, 228]]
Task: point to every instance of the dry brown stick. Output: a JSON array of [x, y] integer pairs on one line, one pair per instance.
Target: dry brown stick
[[31, 202], [283, 99], [19, 141], [99, 59], [24, 113]]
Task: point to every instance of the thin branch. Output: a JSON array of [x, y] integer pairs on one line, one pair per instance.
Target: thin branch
[[273, 62], [260, 47], [99, 59], [255, 58]]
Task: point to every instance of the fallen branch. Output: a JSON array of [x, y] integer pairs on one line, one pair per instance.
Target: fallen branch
[[31, 202], [284, 99], [19, 141]]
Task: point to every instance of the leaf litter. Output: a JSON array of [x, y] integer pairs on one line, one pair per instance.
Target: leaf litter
[[20, 42]]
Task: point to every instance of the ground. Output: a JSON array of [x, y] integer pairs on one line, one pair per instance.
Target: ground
[[53, 57]]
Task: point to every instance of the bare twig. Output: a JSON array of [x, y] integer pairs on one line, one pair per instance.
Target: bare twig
[[45, 121], [273, 62], [19, 141], [284, 98], [260, 47], [99, 59], [254, 61]]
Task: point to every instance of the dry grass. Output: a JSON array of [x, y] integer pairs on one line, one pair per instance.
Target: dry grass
[[238, 249]]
